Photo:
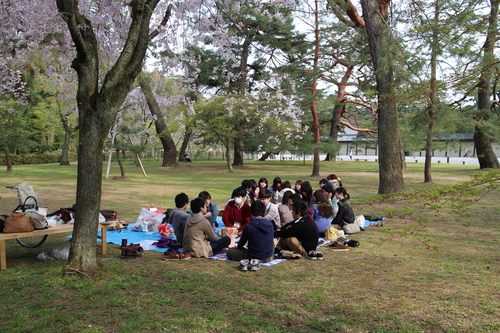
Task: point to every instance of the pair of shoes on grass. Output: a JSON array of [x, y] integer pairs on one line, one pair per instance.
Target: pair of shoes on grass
[[336, 246], [289, 255], [252, 265], [173, 254], [131, 251], [314, 255]]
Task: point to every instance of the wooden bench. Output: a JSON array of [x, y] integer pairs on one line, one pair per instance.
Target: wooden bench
[[59, 229]]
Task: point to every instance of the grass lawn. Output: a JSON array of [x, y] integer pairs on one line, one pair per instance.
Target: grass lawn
[[442, 275]]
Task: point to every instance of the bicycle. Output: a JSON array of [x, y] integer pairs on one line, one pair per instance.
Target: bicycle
[[24, 192]]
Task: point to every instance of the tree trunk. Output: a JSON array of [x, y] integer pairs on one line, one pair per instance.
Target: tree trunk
[[64, 160], [314, 111], [338, 109], [485, 154], [8, 158], [432, 97], [264, 156], [119, 160], [379, 40], [228, 157], [185, 141], [169, 148], [97, 111], [238, 152]]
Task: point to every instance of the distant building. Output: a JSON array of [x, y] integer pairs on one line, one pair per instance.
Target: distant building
[[364, 145]]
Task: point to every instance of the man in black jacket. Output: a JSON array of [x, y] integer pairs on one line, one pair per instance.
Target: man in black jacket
[[300, 235]]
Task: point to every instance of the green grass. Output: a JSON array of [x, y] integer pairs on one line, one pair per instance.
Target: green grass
[[442, 276]]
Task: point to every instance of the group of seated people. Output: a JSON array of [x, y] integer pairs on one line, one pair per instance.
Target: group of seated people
[[267, 219]]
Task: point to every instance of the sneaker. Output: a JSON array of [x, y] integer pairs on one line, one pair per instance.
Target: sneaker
[[244, 264], [311, 255], [335, 246], [319, 255], [171, 255], [352, 243], [184, 256], [254, 264]]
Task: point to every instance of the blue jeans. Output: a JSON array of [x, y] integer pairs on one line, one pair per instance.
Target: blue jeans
[[218, 245]]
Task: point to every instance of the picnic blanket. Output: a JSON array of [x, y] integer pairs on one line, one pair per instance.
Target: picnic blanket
[[146, 239]]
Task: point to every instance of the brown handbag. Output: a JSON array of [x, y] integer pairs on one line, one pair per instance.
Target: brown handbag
[[17, 222]]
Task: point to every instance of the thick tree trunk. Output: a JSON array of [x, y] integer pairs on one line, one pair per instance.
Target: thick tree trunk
[[238, 152], [64, 160], [169, 148], [185, 141], [379, 39], [97, 110], [485, 154]]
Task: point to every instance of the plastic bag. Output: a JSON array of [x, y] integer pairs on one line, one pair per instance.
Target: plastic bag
[[148, 221], [61, 252], [165, 229]]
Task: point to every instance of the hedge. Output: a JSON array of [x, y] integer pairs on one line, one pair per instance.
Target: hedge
[[44, 158]]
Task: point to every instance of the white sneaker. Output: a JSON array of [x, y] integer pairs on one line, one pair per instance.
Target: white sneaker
[[244, 264], [254, 264]]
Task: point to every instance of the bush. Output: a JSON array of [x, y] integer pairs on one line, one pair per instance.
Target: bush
[[44, 158]]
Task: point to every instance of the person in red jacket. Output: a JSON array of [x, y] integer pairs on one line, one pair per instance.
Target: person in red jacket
[[237, 211]]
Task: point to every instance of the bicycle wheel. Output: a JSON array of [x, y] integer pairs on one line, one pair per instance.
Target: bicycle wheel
[[31, 242]]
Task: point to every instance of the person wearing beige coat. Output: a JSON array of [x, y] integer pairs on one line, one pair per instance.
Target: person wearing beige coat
[[200, 239]]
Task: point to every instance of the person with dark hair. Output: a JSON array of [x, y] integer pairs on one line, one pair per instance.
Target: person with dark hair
[[300, 235], [258, 237], [237, 211], [263, 183], [271, 213], [178, 216], [307, 193], [322, 212], [298, 187], [286, 186], [248, 184], [345, 215], [199, 237], [284, 209], [212, 210], [322, 182], [274, 189], [334, 181], [330, 195]]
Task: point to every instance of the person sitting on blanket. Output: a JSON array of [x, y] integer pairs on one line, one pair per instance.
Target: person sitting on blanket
[[345, 214], [259, 235], [322, 212], [237, 211], [301, 235], [212, 210], [284, 209], [271, 213], [178, 216], [199, 237]]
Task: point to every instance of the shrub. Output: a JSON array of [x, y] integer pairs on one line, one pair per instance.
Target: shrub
[[45, 158]]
